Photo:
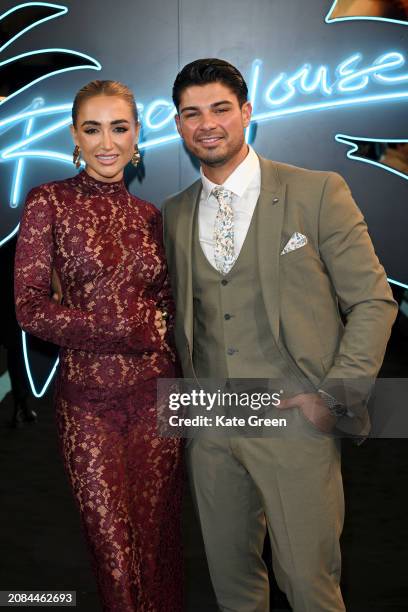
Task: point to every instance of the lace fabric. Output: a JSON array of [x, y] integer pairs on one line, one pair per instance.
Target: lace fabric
[[106, 246]]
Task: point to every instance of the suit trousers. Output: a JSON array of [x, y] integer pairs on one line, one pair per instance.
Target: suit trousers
[[289, 484]]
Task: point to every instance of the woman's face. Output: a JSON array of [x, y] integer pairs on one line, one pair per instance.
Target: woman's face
[[106, 133]]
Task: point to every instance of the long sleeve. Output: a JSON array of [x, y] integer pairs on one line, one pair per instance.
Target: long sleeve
[[364, 295], [164, 296], [104, 331]]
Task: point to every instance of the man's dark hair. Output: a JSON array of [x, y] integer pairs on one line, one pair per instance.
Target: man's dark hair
[[210, 70]]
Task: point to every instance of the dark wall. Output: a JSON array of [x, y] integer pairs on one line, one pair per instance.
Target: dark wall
[[145, 43]]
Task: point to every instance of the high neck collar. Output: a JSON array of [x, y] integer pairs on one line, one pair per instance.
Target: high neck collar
[[89, 184]]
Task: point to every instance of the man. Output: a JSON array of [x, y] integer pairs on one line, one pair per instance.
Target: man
[[262, 256]]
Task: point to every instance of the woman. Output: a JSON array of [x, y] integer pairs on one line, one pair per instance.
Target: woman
[[106, 248]]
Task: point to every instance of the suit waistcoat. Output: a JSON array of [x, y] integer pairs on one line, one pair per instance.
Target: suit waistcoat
[[232, 337]]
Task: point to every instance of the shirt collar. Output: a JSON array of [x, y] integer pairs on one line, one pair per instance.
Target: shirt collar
[[239, 180]]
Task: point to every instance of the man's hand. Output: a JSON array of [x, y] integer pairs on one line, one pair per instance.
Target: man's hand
[[313, 408], [160, 324], [56, 287]]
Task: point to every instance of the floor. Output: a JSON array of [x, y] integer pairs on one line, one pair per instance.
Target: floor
[[43, 548]]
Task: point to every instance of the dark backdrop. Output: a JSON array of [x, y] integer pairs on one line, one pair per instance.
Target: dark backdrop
[[145, 43]]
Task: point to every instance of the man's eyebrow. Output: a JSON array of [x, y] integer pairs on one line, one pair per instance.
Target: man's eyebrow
[[214, 105], [221, 102], [115, 122]]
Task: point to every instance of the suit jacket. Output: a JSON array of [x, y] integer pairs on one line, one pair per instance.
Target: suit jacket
[[328, 302]]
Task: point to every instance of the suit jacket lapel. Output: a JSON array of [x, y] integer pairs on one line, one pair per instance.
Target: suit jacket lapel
[[184, 252], [271, 207]]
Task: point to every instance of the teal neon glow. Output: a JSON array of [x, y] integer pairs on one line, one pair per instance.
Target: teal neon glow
[[394, 60], [10, 235], [347, 78], [306, 108], [347, 71], [359, 18], [47, 111], [15, 189], [350, 141], [48, 155], [155, 109], [22, 144], [299, 82], [280, 94], [395, 282], [386, 62], [35, 392], [252, 91], [319, 83], [60, 10], [15, 151], [92, 65]]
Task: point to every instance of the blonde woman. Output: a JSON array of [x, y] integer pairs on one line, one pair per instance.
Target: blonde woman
[[106, 248]]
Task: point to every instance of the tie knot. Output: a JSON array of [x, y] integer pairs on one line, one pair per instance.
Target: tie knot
[[222, 194]]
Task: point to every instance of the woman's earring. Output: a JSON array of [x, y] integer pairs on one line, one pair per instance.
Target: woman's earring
[[76, 157], [136, 156]]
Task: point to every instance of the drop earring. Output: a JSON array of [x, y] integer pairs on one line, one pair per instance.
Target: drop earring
[[76, 157], [136, 156]]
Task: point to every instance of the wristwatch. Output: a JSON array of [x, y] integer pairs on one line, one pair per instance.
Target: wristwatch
[[335, 407]]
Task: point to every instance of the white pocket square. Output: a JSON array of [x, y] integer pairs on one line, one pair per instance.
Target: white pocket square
[[296, 241]]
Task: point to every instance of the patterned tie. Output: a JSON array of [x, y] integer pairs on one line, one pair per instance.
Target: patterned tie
[[224, 252]]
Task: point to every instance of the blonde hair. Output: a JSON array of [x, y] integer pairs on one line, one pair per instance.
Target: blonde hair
[[103, 88]]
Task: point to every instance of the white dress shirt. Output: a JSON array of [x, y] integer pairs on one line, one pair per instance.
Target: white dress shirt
[[245, 184]]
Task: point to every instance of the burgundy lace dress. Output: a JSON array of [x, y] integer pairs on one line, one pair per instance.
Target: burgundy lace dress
[[106, 246]]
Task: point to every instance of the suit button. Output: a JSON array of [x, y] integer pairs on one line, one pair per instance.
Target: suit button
[[224, 282], [227, 317], [231, 351]]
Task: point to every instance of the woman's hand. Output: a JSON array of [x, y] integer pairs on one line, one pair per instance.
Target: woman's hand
[[56, 287], [160, 323]]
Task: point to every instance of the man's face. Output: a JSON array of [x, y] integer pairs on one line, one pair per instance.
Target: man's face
[[212, 123]]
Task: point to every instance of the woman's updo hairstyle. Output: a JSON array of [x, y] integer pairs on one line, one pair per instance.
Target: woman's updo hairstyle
[[103, 88]]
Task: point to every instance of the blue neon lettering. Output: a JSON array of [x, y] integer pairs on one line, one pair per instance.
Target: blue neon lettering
[[390, 61], [349, 78], [159, 113], [347, 73], [384, 63], [290, 91], [157, 109], [252, 92], [319, 83]]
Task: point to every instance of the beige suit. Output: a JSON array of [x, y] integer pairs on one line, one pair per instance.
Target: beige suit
[[306, 293]]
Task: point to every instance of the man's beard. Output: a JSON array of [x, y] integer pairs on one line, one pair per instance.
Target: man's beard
[[214, 162], [219, 159]]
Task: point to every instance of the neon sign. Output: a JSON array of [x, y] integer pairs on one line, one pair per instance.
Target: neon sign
[[351, 142], [355, 81], [286, 94]]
